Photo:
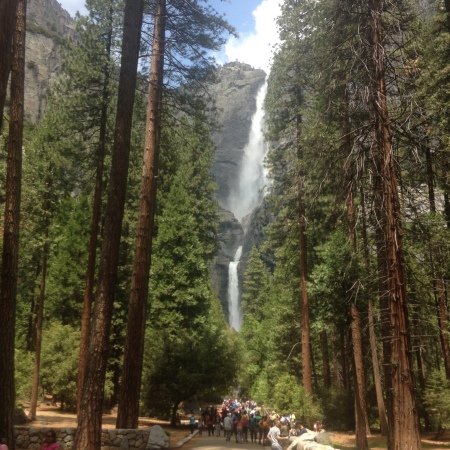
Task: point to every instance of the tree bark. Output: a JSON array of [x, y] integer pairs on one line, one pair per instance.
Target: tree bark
[[39, 321], [376, 373], [128, 412], [8, 16], [88, 436], [95, 226], [10, 252], [360, 382], [405, 426]]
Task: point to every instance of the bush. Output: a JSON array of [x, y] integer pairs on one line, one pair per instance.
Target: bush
[[437, 400]]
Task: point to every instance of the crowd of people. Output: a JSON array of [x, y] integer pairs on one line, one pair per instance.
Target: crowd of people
[[245, 423]]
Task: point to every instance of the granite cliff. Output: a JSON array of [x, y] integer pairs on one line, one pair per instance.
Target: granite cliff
[[48, 25]]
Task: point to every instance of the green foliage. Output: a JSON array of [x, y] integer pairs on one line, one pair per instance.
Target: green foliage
[[59, 361], [289, 397], [437, 399], [23, 366]]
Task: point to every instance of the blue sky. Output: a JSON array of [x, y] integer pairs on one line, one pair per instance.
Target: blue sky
[[253, 19]]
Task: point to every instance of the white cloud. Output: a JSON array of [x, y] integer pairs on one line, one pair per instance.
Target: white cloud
[[256, 48]]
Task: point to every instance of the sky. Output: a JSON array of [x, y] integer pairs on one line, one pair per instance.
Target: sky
[[253, 19]]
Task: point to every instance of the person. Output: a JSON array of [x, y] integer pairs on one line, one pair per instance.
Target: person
[[245, 426], [3, 445], [317, 426], [209, 424], [200, 425], [217, 425], [252, 427], [265, 429], [228, 426], [274, 436], [238, 424], [50, 441], [192, 423], [301, 429]]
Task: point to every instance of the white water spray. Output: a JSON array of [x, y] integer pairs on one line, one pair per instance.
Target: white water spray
[[234, 309], [248, 194]]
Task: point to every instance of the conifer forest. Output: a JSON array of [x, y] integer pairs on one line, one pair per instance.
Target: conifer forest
[[110, 220]]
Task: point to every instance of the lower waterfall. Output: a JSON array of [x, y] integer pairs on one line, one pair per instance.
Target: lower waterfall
[[234, 309]]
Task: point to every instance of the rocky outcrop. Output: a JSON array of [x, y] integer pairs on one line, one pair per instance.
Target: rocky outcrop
[[230, 235], [48, 25], [235, 97]]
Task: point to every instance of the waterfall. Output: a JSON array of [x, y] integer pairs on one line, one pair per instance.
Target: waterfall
[[234, 308], [248, 194]]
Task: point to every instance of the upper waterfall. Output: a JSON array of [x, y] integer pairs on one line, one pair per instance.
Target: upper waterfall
[[247, 194]]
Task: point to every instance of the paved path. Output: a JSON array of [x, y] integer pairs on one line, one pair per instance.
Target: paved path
[[206, 442]]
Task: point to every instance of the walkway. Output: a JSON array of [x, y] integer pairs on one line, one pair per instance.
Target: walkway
[[206, 442]]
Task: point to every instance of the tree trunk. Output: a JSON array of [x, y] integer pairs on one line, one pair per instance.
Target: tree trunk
[[405, 426], [40, 316], [360, 381], [10, 252], [362, 421], [95, 226], [173, 417], [372, 336], [88, 436], [8, 16], [376, 373], [128, 412], [344, 348]]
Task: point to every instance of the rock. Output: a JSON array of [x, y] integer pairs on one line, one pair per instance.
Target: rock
[[158, 438], [235, 96], [307, 441], [20, 418]]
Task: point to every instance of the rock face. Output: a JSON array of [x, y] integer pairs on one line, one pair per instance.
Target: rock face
[[231, 235], [235, 96], [158, 439], [48, 25]]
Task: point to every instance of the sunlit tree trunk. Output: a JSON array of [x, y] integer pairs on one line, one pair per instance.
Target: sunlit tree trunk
[[401, 398], [88, 436], [128, 413], [10, 251]]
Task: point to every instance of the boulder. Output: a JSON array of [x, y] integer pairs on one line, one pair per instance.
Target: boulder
[[308, 441], [158, 438]]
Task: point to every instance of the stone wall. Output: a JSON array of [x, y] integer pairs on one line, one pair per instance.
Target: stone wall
[[112, 439]]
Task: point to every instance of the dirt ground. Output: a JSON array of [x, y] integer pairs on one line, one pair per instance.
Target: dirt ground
[[52, 416]]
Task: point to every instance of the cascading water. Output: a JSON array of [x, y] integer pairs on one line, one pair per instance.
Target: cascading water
[[235, 314], [247, 195], [252, 177]]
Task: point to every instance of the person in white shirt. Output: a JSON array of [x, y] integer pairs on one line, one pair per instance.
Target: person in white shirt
[[274, 436]]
